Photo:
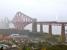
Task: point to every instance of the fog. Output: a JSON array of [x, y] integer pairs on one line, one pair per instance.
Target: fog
[[43, 10]]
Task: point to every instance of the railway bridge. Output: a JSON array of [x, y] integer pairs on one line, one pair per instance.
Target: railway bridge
[[21, 20]]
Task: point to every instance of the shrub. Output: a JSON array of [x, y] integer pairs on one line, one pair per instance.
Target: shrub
[[57, 47]]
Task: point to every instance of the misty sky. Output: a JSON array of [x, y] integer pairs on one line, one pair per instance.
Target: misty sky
[[40, 9], [43, 10]]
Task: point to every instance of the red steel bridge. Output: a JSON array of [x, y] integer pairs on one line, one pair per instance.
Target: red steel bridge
[[21, 20]]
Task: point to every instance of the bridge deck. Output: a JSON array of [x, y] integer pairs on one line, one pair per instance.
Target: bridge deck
[[52, 23]]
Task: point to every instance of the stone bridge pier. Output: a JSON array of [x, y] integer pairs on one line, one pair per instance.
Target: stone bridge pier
[[34, 25], [34, 28]]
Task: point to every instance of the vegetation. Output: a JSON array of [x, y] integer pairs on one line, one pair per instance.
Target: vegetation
[[57, 47]]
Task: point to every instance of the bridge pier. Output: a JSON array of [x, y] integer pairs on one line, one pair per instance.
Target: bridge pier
[[50, 31], [34, 25], [63, 33], [41, 28]]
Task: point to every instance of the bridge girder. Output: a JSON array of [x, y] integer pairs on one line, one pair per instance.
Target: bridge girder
[[21, 20]]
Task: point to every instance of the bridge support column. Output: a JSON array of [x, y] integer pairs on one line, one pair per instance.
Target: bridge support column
[[34, 25], [50, 31], [41, 28], [63, 33]]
